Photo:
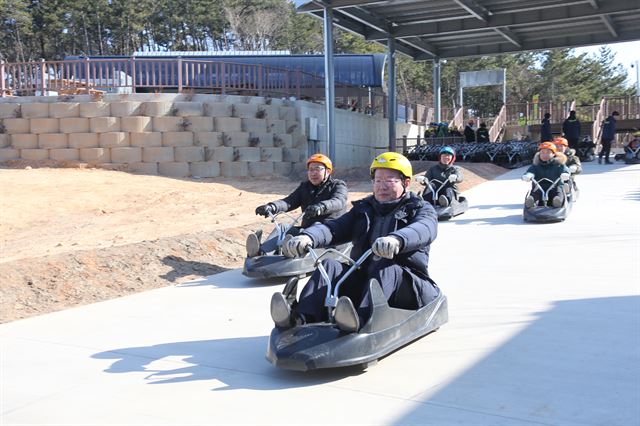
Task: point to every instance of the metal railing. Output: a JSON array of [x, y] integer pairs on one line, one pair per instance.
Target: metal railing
[[498, 124]]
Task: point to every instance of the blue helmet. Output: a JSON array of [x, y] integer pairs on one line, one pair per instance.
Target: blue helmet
[[447, 150]]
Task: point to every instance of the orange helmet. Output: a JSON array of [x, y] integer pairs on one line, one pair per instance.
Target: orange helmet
[[548, 145], [561, 141], [322, 159]]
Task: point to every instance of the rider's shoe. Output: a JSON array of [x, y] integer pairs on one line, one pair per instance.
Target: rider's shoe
[[443, 201], [529, 202], [557, 201], [252, 245], [346, 315], [280, 311]]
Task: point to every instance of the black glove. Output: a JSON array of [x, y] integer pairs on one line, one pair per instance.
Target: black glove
[[314, 210], [265, 210]]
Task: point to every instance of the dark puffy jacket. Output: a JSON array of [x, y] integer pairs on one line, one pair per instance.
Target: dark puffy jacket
[[571, 128], [545, 131], [441, 172], [551, 169], [573, 160], [414, 221], [469, 134], [332, 194], [609, 129], [483, 134]]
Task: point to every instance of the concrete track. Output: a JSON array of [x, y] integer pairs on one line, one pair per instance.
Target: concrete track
[[544, 330]]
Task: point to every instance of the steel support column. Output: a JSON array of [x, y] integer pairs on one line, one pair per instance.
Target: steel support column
[[391, 84], [329, 88], [436, 90]]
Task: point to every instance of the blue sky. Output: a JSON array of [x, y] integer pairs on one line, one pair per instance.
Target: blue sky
[[626, 54]]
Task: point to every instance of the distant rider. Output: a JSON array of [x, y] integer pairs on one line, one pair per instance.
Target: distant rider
[[321, 197], [446, 173], [547, 164]]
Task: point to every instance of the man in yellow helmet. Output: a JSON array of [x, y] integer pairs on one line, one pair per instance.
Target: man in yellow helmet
[[396, 224], [320, 197]]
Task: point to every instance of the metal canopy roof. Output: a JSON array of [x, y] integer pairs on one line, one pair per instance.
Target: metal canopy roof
[[429, 29]]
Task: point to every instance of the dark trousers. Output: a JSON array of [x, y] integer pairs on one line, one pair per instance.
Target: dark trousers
[[401, 287], [537, 195], [447, 191], [573, 142], [605, 150], [270, 245]]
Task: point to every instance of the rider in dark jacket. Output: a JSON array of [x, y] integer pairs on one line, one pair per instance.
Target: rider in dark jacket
[[548, 164], [571, 130], [446, 174], [483, 133], [397, 225], [321, 197]]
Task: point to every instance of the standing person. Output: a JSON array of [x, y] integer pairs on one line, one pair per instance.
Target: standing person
[[483, 133], [608, 135], [470, 132], [571, 130], [545, 129], [321, 197], [397, 225]]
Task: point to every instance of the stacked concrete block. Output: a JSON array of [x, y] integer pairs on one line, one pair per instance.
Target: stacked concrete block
[[287, 113], [245, 110], [177, 139], [113, 139], [5, 140], [283, 168], [104, 124], [125, 109], [143, 168], [187, 109], [52, 141], [189, 154], [74, 125], [261, 139], [222, 154], [254, 125], [64, 109], [44, 125], [95, 155], [276, 126], [291, 154], [271, 154], [14, 110], [261, 168], [208, 139], [293, 127], [136, 124], [270, 111], [158, 154], [234, 169], [200, 124], [34, 154], [24, 141], [235, 139], [174, 169], [16, 125], [145, 139], [167, 124], [205, 169], [248, 154], [156, 109], [217, 109], [9, 154], [227, 124], [64, 154], [283, 140], [83, 140], [95, 109], [34, 110], [126, 155]]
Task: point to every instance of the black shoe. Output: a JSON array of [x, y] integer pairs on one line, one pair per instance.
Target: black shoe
[[346, 315], [599, 160], [280, 311]]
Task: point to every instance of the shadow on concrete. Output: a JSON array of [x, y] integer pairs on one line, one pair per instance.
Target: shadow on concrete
[[495, 206], [632, 195], [183, 268], [502, 220], [233, 278], [237, 363], [576, 363]]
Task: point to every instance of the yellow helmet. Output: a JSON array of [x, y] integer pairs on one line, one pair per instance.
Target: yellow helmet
[[393, 161]]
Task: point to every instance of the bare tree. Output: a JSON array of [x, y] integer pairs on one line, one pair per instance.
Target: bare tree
[[254, 29]]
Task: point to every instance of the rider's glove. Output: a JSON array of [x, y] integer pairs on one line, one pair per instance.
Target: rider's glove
[[565, 177], [314, 210], [452, 178], [296, 246], [266, 209], [573, 168], [421, 179], [527, 177], [386, 247]]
